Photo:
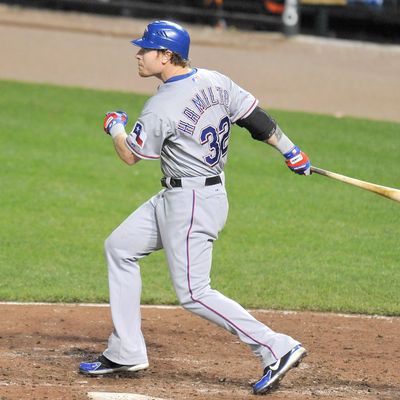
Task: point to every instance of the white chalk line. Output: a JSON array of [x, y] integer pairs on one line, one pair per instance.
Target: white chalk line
[[120, 396], [172, 307], [100, 395]]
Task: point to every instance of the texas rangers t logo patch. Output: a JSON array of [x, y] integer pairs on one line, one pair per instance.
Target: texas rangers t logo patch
[[139, 134]]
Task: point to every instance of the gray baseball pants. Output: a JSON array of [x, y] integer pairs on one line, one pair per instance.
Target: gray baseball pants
[[184, 222]]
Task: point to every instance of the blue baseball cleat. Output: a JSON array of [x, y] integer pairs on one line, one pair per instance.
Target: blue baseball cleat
[[275, 372], [105, 366]]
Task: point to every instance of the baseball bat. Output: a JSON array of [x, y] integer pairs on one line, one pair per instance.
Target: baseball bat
[[390, 193]]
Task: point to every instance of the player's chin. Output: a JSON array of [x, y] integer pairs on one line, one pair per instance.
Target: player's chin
[[143, 73]]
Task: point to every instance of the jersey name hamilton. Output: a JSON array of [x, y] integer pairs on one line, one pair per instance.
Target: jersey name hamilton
[[187, 123], [200, 103]]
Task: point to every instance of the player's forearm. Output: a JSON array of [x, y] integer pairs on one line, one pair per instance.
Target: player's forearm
[[122, 150], [264, 128], [280, 141], [296, 160]]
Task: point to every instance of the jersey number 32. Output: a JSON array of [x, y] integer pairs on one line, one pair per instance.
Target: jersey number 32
[[217, 140]]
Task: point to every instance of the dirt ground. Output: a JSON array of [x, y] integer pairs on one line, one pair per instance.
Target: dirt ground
[[350, 357]]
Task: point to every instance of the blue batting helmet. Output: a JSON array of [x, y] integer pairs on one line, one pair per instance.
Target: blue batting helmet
[[165, 35]]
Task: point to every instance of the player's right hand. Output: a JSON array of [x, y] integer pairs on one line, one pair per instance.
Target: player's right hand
[[113, 118], [298, 161]]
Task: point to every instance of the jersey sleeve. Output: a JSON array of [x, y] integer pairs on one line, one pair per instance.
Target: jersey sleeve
[[242, 103], [147, 136]]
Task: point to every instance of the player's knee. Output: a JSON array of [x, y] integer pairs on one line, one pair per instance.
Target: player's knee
[[186, 302], [109, 245], [112, 247], [119, 254], [189, 299], [184, 296]]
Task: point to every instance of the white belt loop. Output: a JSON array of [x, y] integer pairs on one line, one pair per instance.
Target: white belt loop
[[168, 182]]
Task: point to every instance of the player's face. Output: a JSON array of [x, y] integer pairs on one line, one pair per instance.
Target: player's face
[[149, 62]]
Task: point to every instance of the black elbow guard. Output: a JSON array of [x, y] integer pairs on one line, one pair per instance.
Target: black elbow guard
[[259, 124]]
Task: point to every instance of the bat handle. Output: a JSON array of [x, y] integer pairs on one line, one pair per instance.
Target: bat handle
[[319, 171]]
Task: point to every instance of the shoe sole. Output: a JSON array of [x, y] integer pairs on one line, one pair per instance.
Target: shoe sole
[[293, 363], [124, 368]]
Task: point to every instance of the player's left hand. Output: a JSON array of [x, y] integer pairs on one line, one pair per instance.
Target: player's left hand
[[298, 161], [113, 118]]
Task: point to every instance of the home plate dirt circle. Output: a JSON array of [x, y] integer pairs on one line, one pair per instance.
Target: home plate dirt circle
[[351, 357]]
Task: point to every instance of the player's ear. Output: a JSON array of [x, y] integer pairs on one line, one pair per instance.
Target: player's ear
[[166, 56]]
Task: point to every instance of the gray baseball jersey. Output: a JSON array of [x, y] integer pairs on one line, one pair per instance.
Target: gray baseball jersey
[[186, 125], [188, 122]]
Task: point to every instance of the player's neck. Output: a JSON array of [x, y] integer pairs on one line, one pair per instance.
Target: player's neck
[[173, 70]]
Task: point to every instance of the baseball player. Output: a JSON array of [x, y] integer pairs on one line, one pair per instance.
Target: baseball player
[[186, 125]]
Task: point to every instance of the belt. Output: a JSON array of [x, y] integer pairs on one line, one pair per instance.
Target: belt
[[177, 182]]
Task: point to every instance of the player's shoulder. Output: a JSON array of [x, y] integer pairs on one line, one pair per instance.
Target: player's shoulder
[[214, 77], [154, 102], [160, 105], [211, 72]]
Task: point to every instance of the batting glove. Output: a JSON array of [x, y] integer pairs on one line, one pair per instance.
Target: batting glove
[[298, 161], [113, 118]]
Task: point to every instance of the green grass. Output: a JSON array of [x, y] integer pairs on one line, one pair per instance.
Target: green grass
[[290, 242]]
